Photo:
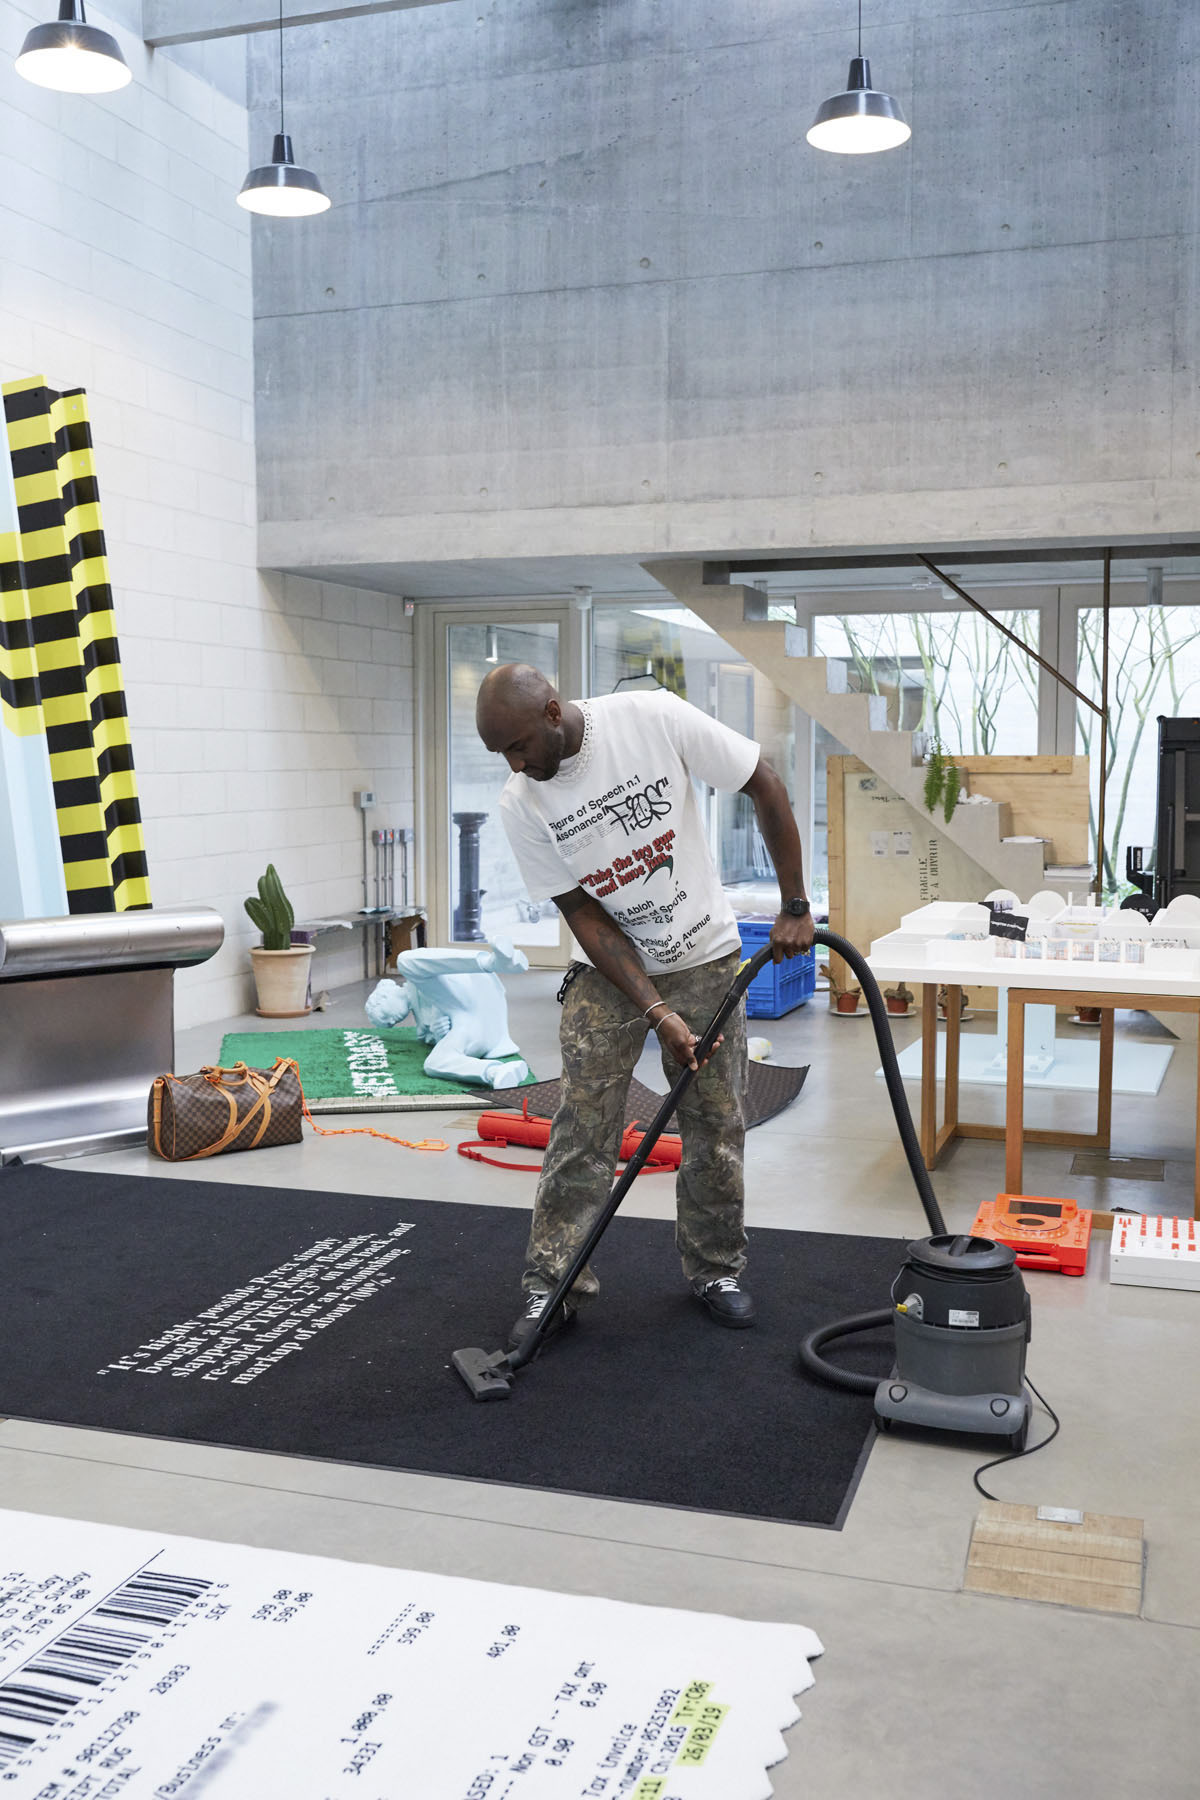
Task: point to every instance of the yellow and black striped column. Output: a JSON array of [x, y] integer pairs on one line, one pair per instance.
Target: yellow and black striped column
[[59, 663], [669, 673], [20, 695]]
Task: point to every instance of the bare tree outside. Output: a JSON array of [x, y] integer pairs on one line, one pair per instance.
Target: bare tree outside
[[947, 674]]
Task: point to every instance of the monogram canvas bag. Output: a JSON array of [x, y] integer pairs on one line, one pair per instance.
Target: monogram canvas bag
[[191, 1116]]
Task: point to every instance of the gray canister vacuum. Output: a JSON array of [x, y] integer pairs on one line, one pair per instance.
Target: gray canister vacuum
[[959, 1306], [960, 1310]]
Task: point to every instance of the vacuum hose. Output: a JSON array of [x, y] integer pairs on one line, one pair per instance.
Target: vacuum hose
[[812, 1345]]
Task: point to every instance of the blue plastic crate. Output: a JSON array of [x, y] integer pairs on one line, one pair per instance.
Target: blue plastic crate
[[779, 987]]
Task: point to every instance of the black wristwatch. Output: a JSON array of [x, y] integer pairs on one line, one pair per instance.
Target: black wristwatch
[[799, 909]]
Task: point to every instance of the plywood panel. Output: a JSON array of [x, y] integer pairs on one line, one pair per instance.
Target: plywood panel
[[1048, 796], [887, 859], [871, 887]]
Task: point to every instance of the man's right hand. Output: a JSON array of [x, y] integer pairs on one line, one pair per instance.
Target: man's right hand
[[678, 1037]]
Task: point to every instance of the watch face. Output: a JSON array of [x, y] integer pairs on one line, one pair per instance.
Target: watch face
[[798, 908]]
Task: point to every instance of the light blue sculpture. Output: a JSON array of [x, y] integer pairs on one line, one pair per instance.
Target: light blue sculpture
[[457, 1002]]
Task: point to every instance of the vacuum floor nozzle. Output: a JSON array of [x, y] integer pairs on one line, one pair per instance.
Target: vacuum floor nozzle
[[488, 1374]]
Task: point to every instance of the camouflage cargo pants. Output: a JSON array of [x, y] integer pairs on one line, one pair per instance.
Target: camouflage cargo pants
[[602, 1036]]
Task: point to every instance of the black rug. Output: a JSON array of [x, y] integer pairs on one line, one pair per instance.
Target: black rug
[[321, 1325], [769, 1088]]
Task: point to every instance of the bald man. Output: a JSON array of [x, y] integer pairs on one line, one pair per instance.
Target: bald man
[[601, 813]]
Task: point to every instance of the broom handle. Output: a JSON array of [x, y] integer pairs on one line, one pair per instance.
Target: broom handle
[[745, 975]]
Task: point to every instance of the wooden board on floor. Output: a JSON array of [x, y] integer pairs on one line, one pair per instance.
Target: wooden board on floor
[[1096, 1566]]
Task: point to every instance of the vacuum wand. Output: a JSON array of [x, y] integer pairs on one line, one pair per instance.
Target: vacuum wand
[[489, 1376]]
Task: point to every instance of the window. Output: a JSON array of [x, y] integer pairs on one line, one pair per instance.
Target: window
[[1154, 667], [949, 674]]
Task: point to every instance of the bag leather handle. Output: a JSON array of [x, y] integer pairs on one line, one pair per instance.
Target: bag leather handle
[[216, 1076]]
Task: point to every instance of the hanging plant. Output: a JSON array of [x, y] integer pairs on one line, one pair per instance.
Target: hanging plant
[[951, 788], [943, 781], [935, 774]]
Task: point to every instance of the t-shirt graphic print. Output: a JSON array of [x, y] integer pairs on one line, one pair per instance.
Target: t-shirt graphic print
[[621, 821]]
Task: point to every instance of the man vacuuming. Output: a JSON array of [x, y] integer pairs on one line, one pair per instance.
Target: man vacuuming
[[601, 813]]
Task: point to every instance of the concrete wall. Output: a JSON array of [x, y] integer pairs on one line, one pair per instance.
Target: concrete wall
[[585, 288], [257, 705]]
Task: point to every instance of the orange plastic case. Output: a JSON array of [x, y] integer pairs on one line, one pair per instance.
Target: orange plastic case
[[1046, 1234]]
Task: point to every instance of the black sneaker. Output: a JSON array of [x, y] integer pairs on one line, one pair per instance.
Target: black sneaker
[[728, 1302], [535, 1305]]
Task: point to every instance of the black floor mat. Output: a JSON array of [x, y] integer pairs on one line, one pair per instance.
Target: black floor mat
[[769, 1088], [317, 1325]]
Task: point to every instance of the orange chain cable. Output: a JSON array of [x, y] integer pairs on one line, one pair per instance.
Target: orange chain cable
[[357, 1130]]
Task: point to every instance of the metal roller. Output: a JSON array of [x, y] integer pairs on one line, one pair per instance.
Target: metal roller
[[170, 938]]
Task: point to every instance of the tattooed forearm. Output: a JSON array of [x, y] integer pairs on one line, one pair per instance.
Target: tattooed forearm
[[605, 943]]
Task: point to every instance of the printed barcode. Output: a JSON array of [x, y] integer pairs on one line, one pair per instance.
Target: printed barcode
[[57, 1677], [156, 1598]]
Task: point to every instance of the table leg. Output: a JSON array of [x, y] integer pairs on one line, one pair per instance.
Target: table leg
[[1196, 1187], [1104, 1095], [929, 1073], [1014, 1118], [953, 1033]]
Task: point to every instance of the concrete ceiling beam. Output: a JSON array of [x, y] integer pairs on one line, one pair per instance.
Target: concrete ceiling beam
[[194, 21]]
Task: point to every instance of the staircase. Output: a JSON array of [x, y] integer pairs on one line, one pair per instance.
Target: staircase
[[859, 721]]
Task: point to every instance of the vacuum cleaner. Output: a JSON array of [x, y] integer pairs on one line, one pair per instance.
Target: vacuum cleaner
[[959, 1308]]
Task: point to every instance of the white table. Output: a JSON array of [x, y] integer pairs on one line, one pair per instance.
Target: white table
[[1153, 986]]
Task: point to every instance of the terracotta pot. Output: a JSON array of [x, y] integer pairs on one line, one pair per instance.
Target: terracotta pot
[[895, 1004], [281, 977], [847, 1003], [1088, 1015]]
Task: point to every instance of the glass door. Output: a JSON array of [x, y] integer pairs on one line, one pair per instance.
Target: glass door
[[476, 889]]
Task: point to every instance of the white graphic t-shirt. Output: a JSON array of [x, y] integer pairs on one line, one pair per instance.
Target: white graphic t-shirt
[[620, 820]]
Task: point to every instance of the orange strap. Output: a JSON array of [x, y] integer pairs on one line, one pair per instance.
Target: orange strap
[[360, 1130]]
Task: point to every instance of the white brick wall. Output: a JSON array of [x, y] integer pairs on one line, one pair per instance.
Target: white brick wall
[[258, 704]]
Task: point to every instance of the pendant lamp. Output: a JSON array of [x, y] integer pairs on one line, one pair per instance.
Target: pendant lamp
[[73, 56], [862, 119], [279, 187]]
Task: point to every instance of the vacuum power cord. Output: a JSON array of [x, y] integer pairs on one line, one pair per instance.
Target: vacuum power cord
[[1016, 1455]]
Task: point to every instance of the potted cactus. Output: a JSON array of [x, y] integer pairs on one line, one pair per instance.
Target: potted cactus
[[280, 967]]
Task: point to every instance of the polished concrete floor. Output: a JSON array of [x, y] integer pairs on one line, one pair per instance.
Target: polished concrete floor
[[922, 1688]]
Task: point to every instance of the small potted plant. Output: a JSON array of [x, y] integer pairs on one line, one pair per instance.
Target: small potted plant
[[842, 999], [281, 968], [899, 999]]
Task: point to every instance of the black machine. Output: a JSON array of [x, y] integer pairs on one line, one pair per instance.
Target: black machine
[[959, 1305], [1176, 866]]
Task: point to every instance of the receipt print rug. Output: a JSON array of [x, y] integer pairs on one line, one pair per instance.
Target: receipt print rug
[[322, 1325], [173, 1667]]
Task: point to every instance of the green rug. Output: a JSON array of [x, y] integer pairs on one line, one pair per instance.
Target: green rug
[[357, 1070]]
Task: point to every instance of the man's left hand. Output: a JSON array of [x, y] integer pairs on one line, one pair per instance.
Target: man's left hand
[[791, 936]]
